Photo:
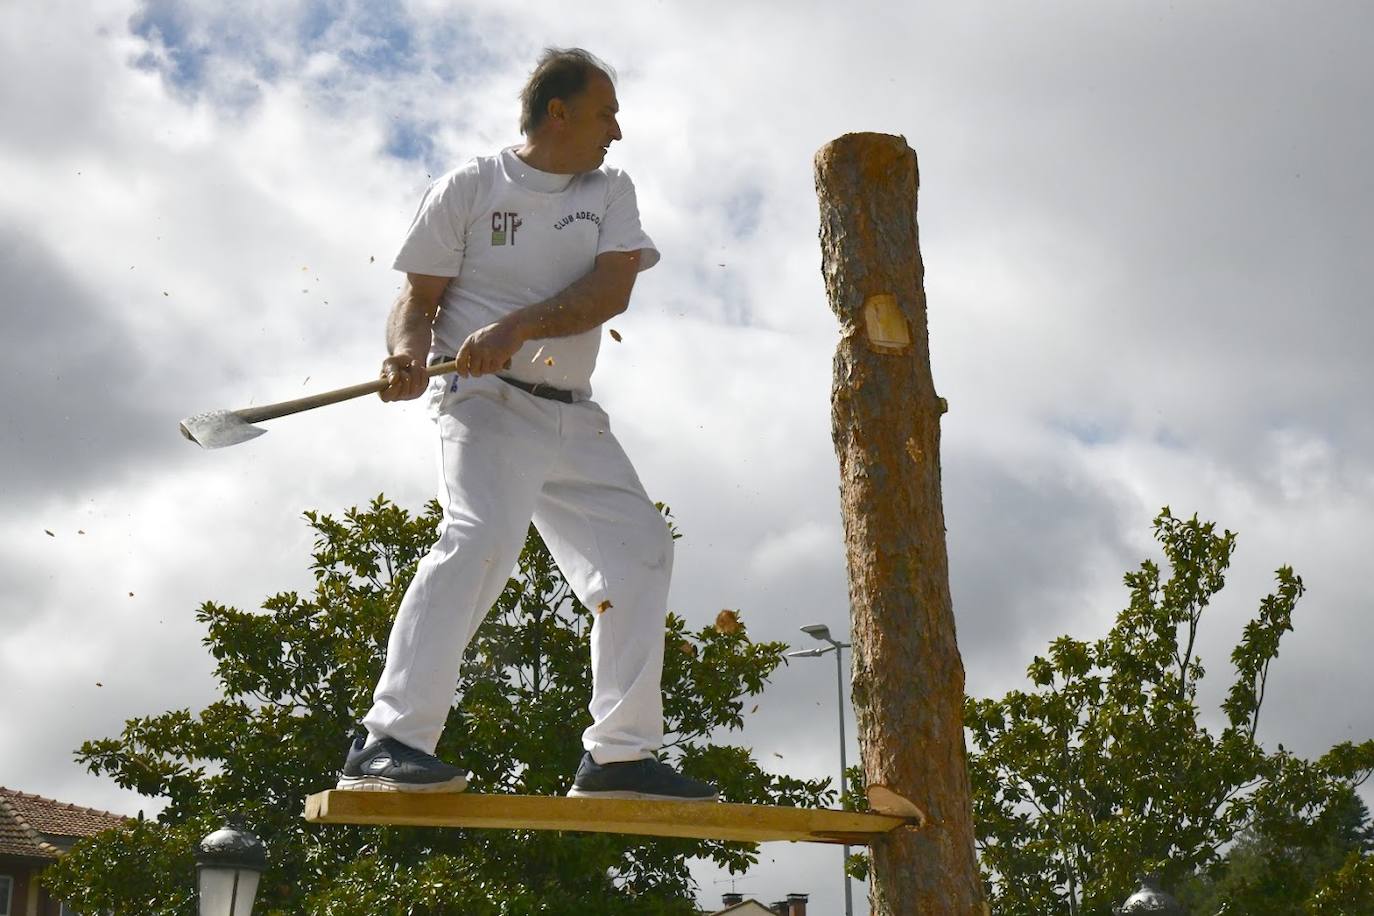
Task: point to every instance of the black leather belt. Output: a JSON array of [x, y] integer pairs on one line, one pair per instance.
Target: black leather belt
[[538, 389]]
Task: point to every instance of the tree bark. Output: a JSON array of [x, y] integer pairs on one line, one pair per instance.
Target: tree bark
[[908, 684]]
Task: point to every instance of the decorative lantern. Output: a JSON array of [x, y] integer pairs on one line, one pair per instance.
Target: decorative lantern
[[229, 864], [1151, 898]]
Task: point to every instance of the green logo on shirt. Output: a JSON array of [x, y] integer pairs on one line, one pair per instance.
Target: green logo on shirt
[[503, 224]]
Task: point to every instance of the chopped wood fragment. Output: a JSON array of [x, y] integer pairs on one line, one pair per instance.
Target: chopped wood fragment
[[49, 533], [884, 801], [604, 606], [615, 335]]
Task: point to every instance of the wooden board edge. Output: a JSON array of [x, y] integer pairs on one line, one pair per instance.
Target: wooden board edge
[[354, 805]]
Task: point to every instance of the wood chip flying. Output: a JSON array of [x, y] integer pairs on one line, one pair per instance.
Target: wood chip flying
[[615, 335], [604, 606]]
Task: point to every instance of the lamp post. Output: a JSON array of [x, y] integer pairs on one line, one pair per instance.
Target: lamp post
[[229, 863], [822, 632]]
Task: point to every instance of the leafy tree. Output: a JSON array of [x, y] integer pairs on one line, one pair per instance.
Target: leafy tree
[[296, 677], [1279, 860], [1101, 770], [1349, 891]]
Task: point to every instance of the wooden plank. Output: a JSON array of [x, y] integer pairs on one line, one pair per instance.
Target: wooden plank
[[697, 820]]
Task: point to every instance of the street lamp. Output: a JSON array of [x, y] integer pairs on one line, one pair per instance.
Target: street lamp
[[229, 863], [1151, 898], [822, 632]]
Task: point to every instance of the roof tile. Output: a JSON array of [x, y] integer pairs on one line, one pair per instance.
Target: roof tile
[[26, 819]]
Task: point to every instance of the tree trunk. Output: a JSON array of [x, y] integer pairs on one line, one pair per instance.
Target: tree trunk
[[908, 678]]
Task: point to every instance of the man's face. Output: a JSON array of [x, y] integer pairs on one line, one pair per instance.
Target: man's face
[[589, 125]]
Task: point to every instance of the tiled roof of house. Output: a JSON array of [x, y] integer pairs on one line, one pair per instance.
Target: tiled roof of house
[[26, 819], [744, 908]]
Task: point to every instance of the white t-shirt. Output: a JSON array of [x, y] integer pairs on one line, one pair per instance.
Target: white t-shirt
[[513, 236]]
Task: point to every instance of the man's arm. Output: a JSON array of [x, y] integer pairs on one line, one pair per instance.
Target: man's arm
[[601, 294], [409, 332]]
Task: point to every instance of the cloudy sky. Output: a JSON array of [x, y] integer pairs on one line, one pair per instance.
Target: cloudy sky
[[1144, 227]]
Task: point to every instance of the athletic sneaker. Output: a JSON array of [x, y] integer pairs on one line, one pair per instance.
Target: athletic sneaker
[[649, 778], [387, 765]]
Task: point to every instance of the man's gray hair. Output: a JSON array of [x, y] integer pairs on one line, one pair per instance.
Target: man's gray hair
[[560, 73]]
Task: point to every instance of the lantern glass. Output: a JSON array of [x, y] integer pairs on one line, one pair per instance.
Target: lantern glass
[[227, 891]]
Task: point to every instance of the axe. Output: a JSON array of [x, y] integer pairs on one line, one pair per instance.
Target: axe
[[220, 428]]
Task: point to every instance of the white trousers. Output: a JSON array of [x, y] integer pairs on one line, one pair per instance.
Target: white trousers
[[506, 456]]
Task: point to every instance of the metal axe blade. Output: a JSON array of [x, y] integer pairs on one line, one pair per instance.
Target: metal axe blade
[[219, 428]]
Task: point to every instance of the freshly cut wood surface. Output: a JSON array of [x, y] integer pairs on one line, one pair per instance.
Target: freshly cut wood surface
[[698, 820]]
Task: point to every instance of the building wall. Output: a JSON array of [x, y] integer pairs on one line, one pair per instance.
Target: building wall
[[23, 886], [29, 898]]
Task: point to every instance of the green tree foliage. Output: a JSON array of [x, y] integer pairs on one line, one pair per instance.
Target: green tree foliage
[[1348, 891], [297, 676], [1101, 771], [1280, 860]]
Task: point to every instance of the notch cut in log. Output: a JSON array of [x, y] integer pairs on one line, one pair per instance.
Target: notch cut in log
[[695, 820]]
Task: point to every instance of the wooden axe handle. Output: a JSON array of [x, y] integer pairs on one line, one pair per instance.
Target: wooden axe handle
[[285, 408]]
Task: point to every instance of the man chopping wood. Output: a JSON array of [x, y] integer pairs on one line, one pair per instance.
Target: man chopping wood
[[512, 264]]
